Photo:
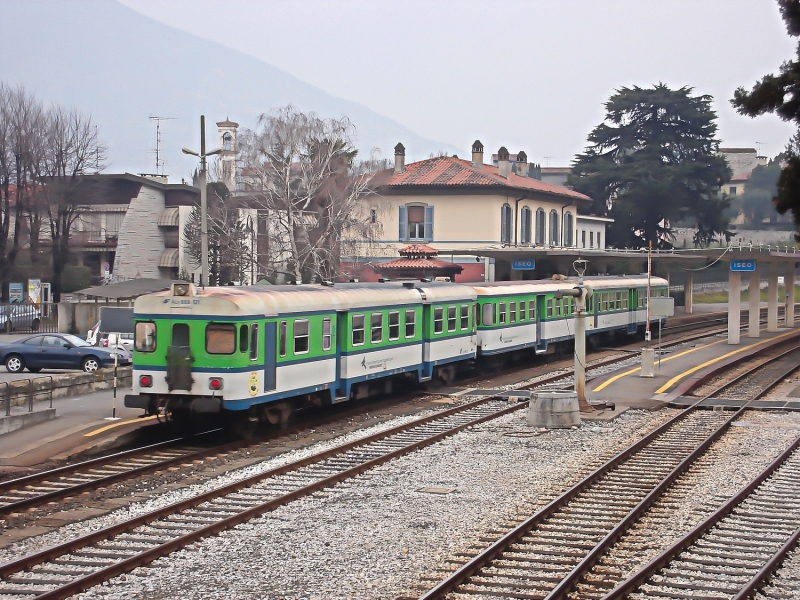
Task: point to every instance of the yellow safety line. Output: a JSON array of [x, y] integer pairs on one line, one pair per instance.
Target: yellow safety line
[[107, 427], [677, 378], [611, 380]]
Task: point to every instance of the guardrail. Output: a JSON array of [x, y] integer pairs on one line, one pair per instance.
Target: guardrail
[[22, 391], [28, 318]]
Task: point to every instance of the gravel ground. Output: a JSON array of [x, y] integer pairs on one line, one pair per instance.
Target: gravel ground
[[731, 462], [374, 536], [786, 583]]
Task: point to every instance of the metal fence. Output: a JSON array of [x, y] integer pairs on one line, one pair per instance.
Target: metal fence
[[28, 318]]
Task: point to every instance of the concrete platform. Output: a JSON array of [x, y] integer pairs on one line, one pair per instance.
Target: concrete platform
[[680, 370]]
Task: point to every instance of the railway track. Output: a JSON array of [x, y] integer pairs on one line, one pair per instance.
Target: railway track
[[549, 554], [39, 489]]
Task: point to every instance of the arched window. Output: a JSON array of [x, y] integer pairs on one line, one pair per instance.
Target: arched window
[[525, 225], [227, 140], [554, 228], [506, 224], [541, 226], [568, 226]]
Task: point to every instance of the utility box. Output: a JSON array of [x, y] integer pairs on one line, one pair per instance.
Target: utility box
[[648, 362], [554, 410]]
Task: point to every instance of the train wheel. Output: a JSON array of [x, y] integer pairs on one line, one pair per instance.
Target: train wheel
[[243, 424], [447, 374]]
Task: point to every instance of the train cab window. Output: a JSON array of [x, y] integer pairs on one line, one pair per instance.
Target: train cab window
[[220, 338], [394, 325], [512, 312], [376, 328], [358, 330], [464, 317], [451, 318], [282, 339], [243, 337], [326, 334], [300, 335], [144, 336], [180, 335], [411, 323], [254, 341], [438, 320], [488, 314], [522, 313], [502, 312]]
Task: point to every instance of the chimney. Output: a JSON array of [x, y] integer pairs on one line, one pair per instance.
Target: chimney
[[399, 159], [503, 166], [477, 154], [522, 164]]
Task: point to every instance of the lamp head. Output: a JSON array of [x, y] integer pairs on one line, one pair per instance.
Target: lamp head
[[187, 151], [213, 152]]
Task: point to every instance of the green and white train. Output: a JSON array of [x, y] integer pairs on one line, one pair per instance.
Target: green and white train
[[256, 353]]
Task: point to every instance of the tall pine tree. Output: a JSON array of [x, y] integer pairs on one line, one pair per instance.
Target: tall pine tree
[[780, 94], [654, 161]]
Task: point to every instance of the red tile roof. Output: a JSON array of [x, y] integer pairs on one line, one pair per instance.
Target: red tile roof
[[404, 264], [448, 171], [418, 250]]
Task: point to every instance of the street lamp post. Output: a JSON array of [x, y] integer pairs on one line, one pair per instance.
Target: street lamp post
[[203, 199], [251, 230]]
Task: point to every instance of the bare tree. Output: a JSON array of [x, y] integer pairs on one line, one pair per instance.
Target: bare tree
[[301, 170], [73, 149]]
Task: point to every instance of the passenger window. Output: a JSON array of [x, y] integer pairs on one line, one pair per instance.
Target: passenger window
[[282, 339], [144, 338], [438, 318], [376, 328], [300, 334], [394, 325], [522, 310], [220, 338], [451, 318], [358, 330], [243, 337], [488, 314], [326, 334], [532, 310], [411, 320], [464, 316], [512, 312], [502, 312], [254, 341]]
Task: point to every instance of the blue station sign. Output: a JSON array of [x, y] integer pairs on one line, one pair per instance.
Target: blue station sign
[[523, 264], [743, 266]]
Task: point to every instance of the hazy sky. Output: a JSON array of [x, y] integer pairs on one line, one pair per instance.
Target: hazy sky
[[530, 75]]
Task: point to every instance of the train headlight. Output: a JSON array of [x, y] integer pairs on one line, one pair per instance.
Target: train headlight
[[180, 289], [146, 381], [215, 384]]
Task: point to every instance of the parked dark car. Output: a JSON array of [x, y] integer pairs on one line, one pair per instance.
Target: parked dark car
[[58, 351]]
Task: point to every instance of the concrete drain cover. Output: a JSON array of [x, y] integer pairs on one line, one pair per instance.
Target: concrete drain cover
[[436, 490]]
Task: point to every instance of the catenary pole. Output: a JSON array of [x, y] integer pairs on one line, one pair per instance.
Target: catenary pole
[[203, 206]]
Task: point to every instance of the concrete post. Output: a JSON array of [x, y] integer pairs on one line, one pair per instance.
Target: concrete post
[[772, 298], [688, 291], [788, 280], [734, 300], [753, 329], [580, 347]]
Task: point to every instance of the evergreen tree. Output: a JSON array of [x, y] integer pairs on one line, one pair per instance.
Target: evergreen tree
[[761, 188], [654, 161], [780, 94]]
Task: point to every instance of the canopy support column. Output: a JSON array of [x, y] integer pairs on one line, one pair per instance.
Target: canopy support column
[[734, 301], [788, 280], [688, 291], [753, 316], [772, 298]]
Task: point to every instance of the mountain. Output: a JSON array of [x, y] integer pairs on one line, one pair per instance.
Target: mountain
[[122, 67]]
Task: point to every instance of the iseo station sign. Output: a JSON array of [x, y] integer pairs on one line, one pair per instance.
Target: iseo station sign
[[523, 264], [743, 266]]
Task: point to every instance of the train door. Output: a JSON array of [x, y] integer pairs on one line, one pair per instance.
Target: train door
[[541, 305], [179, 359], [632, 308], [270, 361]]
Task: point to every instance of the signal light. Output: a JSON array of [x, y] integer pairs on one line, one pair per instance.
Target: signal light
[[215, 384], [146, 381]]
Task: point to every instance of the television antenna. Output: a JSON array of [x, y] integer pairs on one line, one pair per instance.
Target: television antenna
[[759, 144], [159, 162], [547, 160]]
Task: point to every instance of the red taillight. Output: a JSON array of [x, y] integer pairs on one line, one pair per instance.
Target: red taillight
[[215, 384], [145, 381], [105, 343]]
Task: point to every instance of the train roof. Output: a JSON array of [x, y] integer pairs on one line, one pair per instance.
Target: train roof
[[283, 299], [539, 286]]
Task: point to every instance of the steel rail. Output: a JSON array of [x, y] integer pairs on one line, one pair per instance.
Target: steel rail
[[497, 548], [566, 585], [104, 574], [652, 567], [772, 565]]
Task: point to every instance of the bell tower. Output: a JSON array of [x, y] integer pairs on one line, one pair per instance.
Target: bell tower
[[226, 131]]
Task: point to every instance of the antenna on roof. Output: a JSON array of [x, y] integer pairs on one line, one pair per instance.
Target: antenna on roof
[[759, 144], [159, 162], [547, 160]]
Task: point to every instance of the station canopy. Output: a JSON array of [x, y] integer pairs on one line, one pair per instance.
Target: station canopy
[[133, 288]]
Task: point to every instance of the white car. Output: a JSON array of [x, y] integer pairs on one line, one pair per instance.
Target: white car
[[125, 341]]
